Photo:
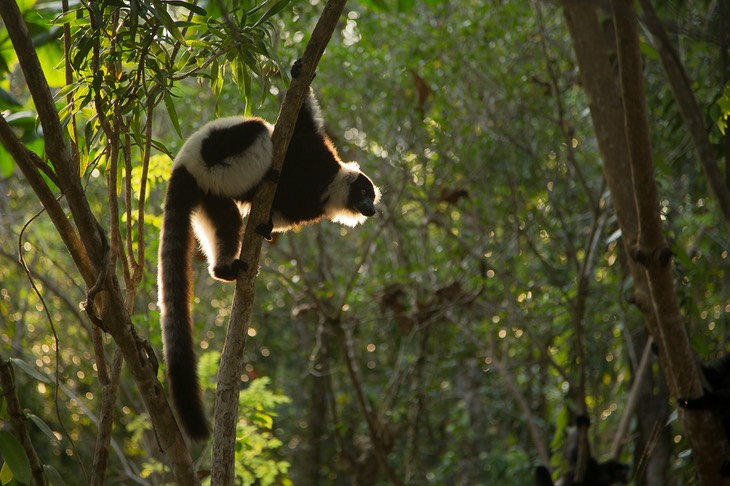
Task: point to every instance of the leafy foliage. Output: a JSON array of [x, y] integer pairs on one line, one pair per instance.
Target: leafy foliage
[[486, 301]]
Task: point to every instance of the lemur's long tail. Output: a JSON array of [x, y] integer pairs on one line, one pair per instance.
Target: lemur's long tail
[[175, 289]]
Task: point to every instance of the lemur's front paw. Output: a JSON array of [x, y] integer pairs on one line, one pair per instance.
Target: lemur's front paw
[[273, 175], [229, 272], [265, 229], [296, 68]]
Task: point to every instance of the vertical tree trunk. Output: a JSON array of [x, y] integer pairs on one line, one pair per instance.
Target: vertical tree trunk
[[227, 391], [621, 126]]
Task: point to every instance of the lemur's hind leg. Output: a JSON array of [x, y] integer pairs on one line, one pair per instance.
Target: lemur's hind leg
[[220, 231]]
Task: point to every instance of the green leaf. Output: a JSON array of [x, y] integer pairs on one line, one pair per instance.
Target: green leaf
[[161, 14], [263, 420], [15, 457], [6, 474], [275, 9], [7, 164], [8, 100], [188, 6], [51, 59], [256, 9], [406, 5], [29, 370], [54, 478], [648, 50], [723, 105], [172, 112], [43, 426], [25, 5]]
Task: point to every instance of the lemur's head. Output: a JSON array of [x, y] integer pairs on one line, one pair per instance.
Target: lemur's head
[[363, 195], [352, 196]]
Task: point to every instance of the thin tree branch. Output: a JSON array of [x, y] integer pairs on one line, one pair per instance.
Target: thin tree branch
[[87, 249], [226, 404], [106, 421], [380, 448], [693, 118], [628, 414]]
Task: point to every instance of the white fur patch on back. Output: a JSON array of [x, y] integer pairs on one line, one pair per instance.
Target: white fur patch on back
[[240, 173]]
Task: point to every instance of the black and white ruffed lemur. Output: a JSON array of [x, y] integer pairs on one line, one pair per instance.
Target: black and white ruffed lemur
[[213, 179]]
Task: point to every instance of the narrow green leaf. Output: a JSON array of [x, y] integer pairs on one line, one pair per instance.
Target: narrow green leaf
[[54, 478], [188, 6], [82, 51], [43, 426], [275, 9], [29, 370], [256, 8], [161, 14], [247, 87], [172, 112], [15, 457]]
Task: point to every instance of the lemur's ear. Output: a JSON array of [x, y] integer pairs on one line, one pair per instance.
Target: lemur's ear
[[352, 171]]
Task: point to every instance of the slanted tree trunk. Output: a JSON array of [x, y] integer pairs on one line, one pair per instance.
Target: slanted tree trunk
[[86, 241]]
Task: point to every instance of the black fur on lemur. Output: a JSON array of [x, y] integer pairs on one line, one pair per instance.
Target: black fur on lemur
[[716, 398], [596, 474], [213, 179]]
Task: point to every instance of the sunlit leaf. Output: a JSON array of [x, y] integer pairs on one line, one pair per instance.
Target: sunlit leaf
[[188, 6], [7, 164], [43, 426], [172, 112], [276, 8], [28, 370], [6, 474]]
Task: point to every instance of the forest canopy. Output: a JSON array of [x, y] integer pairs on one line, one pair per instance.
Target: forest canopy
[[545, 275]]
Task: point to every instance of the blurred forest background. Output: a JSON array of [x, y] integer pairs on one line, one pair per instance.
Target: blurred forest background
[[452, 338]]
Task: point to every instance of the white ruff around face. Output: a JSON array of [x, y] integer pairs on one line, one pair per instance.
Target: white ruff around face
[[337, 194], [239, 173]]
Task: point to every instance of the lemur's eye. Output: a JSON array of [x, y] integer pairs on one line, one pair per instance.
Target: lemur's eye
[[363, 192]]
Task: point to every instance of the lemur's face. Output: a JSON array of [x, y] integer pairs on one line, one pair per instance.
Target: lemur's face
[[363, 195]]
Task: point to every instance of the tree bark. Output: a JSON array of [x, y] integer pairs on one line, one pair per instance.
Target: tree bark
[[621, 126], [18, 421], [704, 430]]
